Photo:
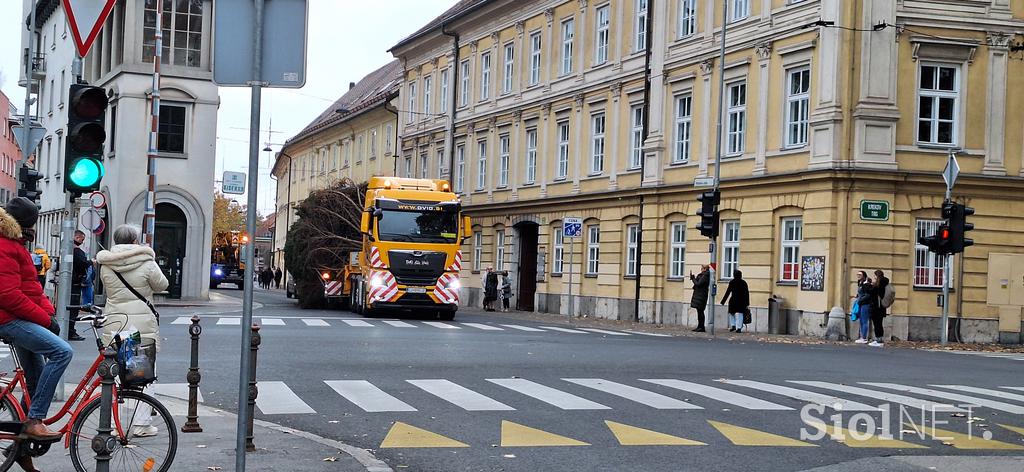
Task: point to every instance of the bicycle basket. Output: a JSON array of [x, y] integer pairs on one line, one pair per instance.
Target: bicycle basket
[[137, 363]]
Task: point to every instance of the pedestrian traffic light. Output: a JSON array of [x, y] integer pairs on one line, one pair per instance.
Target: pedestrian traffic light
[[959, 227], [83, 154], [28, 179], [709, 213], [940, 243]]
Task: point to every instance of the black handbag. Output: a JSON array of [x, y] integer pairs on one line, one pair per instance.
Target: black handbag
[[746, 316], [138, 295]]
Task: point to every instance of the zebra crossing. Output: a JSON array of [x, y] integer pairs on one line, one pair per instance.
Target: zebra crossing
[[593, 394], [1011, 356]]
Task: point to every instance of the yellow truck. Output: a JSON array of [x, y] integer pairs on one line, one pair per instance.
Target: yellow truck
[[411, 258]]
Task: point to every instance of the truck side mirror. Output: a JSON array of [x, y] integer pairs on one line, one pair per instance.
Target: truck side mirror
[[364, 223], [467, 228]]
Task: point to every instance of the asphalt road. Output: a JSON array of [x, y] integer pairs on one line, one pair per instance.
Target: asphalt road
[[494, 393]]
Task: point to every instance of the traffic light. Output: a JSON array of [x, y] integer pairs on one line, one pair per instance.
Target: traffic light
[[941, 242], [83, 153], [709, 213], [959, 226], [29, 183]]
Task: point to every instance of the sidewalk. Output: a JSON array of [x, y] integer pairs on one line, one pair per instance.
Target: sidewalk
[[279, 448], [218, 303]]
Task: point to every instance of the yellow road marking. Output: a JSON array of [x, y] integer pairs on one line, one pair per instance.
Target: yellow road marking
[[963, 441], [405, 435], [854, 438], [634, 436], [517, 435], [1015, 429], [741, 436]]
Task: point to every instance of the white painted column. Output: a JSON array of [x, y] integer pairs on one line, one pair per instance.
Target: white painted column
[[544, 148], [707, 116], [995, 131], [764, 54], [581, 46], [493, 150], [654, 146], [827, 114], [576, 147], [548, 51], [516, 138], [614, 114]]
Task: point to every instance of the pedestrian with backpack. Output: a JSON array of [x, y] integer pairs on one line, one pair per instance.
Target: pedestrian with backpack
[[862, 311], [885, 295]]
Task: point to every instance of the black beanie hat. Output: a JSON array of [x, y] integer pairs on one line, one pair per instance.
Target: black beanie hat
[[24, 211]]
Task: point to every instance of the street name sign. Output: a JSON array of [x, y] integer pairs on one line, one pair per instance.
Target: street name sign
[[284, 43], [233, 183], [86, 18], [704, 182], [874, 210], [572, 227]]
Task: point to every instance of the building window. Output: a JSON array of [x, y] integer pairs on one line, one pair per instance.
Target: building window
[[684, 109], [481, 165], [632, 243], [412, 103], [792, 234], [359, 149], [531, 156], [389, 132], [441, 167], [597, 144], [460, 167], [797, 106], [687, 18], [424, 165], [373, 143], [737, 118], [929, 268], [730, 248], [499, 249], [535, 58], [636, 137], [640, 38], [503, 159], [485, 76], [593, 249], [464, 84], [509, 70], [182, 33], [938, 100], [601, 47], [427, 83], [443, 96], [567, 35], [478, 250], [677, 249], [562, 166], [336, 157], [739, 10], [557, 251], [408, 167], [171, 136]]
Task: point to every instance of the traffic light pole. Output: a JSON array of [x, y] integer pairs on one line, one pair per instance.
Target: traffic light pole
[[713, 287], [947, 270]]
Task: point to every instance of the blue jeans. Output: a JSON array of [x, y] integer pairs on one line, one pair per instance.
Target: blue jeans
[[27, 335], [865, 321]]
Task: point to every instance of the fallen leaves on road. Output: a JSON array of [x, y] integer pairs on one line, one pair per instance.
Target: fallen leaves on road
[[330, 459], [213, 467]]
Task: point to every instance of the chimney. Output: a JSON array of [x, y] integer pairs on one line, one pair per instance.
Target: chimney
[[351, 85]]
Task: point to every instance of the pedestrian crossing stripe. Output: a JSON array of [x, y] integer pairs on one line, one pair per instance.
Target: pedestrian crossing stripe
[[984, 391], [965, 441], [399, 324], [741, 436], [923, 405], [358, 323], [639, 395], [722, 395], [961, 399], [230, 321], [862, 439], [402, 435], [315, 322], [828, 401], [275, 398], [635, 436], [551, 396], [517, 435]]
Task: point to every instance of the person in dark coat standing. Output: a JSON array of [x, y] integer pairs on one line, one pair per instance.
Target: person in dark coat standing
[[80, 266], [878, 310], [277, 278], [699, 299], [738, 295], [490, 289], [865, 302]]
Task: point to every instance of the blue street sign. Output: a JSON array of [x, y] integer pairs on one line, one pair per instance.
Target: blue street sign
[[572, 227]]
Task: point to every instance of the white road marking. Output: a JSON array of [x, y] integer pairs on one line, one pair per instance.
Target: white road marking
[[482, 326], [963, 399], [642, 333], [1015, 388], [399, 324], [182, 320], [984, 391], [639, 395], [276, 398], [175, 390], [358, 323], [315, 322], [229, 321], [460, 396], [551, 396], [564, 330], [722, 395], [603, 331], [882, 396], [367, 396], [438, 324], [271, 321], [523, 328], [804, 395]]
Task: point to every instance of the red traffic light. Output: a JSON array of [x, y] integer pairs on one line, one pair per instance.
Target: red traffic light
[[944, 234]]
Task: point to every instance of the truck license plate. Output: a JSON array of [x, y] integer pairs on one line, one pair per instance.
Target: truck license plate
[[416, 290]]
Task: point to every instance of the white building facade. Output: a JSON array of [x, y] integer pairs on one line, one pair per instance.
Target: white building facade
[[121, 61]]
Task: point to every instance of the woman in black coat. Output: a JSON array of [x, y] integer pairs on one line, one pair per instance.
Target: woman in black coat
[[490, 289], [740, 301], [699, 300]]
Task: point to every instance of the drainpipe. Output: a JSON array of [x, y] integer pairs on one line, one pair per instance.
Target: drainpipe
[[454, 87], [644, 132], [398, 145]]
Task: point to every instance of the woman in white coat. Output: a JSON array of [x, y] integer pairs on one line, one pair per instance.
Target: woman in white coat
[[124, 311]]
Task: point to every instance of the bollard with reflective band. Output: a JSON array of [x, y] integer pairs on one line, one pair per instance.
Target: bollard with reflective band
[[254, 347], [103, 444], [192, 421]]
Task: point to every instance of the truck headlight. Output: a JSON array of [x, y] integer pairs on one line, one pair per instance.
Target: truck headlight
[[376, 281], [455, 284], [218, 272]]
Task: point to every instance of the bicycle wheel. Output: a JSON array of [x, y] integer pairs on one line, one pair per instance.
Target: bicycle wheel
[[147, 432], [8, 446]]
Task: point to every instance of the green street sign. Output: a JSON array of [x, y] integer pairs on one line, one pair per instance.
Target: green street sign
[[874, 210]]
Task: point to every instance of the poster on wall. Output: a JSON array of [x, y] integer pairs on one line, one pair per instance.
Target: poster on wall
[[812, 273]]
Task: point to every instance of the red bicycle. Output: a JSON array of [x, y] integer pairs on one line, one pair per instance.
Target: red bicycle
[[144, 430]]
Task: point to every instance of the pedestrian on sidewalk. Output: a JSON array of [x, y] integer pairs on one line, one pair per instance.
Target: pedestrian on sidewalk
[[42, 261], [699, 299], [864, 302], [130, 274], [490, 288], [506, 292], [882, 294], [277, 278], [739, 303], [80, 265]]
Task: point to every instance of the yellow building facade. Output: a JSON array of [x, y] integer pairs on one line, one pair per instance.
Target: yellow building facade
[[838, 119], [355, 138]]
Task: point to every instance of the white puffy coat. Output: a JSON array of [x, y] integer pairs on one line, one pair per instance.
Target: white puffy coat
[[137, 264]]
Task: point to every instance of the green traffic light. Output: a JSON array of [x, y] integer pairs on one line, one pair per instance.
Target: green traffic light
[[86, 173]]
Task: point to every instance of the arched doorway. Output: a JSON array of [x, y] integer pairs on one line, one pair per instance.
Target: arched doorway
[[527, 232], [169, 240]]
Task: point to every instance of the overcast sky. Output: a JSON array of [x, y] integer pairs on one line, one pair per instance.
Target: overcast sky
[[347, 40]]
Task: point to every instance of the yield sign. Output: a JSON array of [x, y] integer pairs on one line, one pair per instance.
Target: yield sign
[[86, 18]]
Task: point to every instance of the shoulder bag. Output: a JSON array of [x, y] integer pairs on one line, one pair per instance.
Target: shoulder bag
[[138, 295]]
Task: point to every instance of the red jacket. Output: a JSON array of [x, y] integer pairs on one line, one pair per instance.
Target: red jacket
[[21, 296]]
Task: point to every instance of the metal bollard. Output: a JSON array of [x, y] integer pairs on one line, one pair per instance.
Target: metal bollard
[[192, 421], [103, 444], [254, 346]]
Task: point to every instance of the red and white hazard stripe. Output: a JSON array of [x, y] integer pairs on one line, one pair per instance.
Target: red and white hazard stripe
[[457, 263], [334, 288], [443, 290], [388, 291], [375, 259]]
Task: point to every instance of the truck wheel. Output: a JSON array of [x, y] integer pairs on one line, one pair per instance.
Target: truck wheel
[[213, 285], [446, 315], [241, 286]]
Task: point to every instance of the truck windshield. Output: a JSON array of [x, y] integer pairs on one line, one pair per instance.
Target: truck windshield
[[416, 226]]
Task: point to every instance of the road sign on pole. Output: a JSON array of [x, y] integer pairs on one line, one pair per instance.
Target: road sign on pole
[[572, 227], [27, 142], [283, 61], [86, 18], [233, 183]]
